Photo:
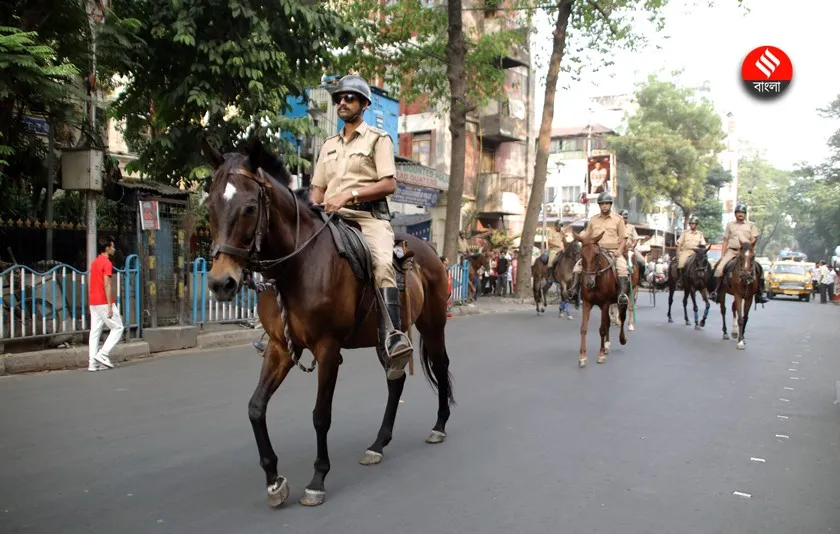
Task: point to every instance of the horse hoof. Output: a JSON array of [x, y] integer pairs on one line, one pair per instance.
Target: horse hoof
[[313, 498], [698, 327], [569, 316], [622, 338], [670, 320], [436, 437], [741, 345], [725, 336], [371, 458], [607, 347], [703, 323], [278, 492], [631, 327], [582, 362], [602, 358], [688, 323]]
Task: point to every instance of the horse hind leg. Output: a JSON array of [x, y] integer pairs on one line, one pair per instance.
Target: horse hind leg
[[435, 362], [670, 303], [722, 302], [622, 317], [373, 454], [275, 366]]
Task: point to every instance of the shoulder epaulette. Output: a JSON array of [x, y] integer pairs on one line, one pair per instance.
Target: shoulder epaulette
[[379, 131]]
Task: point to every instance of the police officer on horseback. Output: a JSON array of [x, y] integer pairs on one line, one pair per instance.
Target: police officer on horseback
[[738, 231], [634, 256], [353, 176], [615, 234], [688, 241]]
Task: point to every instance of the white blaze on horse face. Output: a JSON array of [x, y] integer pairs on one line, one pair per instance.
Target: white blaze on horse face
[[230, 190]]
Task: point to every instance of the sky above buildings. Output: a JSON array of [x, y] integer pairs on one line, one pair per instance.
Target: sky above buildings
[[709, 44]]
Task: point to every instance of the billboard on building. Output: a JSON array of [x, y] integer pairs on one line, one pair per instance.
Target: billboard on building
[[599, 175]]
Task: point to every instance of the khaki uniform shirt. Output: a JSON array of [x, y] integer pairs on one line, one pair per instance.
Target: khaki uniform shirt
[[613, 227], [690, 240], [632, 235], [348, 164], [737, 233]]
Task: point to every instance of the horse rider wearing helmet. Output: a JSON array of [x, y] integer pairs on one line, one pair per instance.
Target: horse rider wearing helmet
[[632, 240], [354, 174], [688, 241], [615, 233], [738, 231]]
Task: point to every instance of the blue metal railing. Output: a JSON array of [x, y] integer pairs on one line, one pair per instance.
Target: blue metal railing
[[54, 302], [459, 274]]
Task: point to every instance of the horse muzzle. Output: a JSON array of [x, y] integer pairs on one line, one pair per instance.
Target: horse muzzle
[[589, 281], [223, 288]]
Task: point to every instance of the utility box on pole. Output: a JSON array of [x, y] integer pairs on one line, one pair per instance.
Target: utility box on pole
[[81, 169]]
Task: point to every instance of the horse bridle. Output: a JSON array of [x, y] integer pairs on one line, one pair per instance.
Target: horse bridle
[[603, 254], [251, 254]]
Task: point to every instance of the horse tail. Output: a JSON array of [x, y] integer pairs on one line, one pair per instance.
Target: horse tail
[[431, 376]]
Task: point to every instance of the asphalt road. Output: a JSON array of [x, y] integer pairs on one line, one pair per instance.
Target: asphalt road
[[657, 440]]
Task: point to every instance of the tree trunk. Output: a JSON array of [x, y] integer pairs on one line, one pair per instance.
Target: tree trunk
[[455, 56], [523, 275]]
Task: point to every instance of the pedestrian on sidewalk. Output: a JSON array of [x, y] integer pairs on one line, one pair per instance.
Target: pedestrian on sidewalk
[[103, 310]]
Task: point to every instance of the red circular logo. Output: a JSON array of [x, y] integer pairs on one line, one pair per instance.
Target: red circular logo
[[767, 71]]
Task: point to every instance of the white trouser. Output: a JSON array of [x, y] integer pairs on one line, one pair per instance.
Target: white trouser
[[98, 319]]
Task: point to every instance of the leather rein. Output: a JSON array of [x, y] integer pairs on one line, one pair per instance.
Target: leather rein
[[251, 254]]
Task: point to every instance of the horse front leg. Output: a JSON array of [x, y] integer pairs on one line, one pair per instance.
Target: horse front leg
[[587, 308], [705, 294], [604, 330], [722, 301], [275, 367], [373, 455], [743, 316], [685, 306], [670, 302], [315, 492]]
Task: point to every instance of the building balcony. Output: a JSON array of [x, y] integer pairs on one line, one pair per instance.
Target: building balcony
[[517, 55], [500, 193], [504, 121]]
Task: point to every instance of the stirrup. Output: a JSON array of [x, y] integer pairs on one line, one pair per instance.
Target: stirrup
[[408, 349]]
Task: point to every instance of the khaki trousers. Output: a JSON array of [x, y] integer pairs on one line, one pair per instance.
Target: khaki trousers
[[729, 254], [380, 239]]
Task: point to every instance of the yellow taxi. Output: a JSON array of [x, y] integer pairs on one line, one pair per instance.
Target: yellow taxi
[[790, 278]]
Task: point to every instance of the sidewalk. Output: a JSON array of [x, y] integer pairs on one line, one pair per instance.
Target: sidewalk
[[167, 339]]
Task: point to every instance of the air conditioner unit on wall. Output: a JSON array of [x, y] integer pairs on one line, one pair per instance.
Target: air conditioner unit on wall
[[81, 169]]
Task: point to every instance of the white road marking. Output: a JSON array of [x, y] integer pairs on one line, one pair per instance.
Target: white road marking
[[788, 388], [741, 494], [792, 370], [783, 417], [762, 460], [782, 436], [794, 363], [794, 378], [784, 400], [230, 190]]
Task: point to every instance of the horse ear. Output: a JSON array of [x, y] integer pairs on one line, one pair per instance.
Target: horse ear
[[598, 237], [214, 157], [708, 248]]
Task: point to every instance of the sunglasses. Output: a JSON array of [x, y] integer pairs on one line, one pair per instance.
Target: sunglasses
[[347, 97]]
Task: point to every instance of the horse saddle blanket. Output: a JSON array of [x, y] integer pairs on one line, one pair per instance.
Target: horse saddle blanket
[[352, 246]]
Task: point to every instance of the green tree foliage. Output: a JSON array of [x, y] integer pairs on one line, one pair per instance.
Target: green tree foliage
[[767, 191], [670, 145], [710, 209], [596, 27], [44, 49], [218, 67], [432, 50]]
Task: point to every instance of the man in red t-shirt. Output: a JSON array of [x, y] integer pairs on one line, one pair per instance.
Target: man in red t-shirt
[[103, 310]]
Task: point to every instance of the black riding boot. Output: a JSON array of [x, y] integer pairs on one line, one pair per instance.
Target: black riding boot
[[760, 296], [623, 284], [397, 345], [714, 295]]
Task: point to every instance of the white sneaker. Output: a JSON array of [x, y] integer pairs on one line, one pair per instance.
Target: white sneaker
[[104, 360], [96, 366]]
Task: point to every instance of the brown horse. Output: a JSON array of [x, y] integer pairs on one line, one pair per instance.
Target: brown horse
[[599, 287], [742, 283], [541, 280], [314, 300]]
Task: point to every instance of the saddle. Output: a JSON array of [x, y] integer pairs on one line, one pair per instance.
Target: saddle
[[352, 246]]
